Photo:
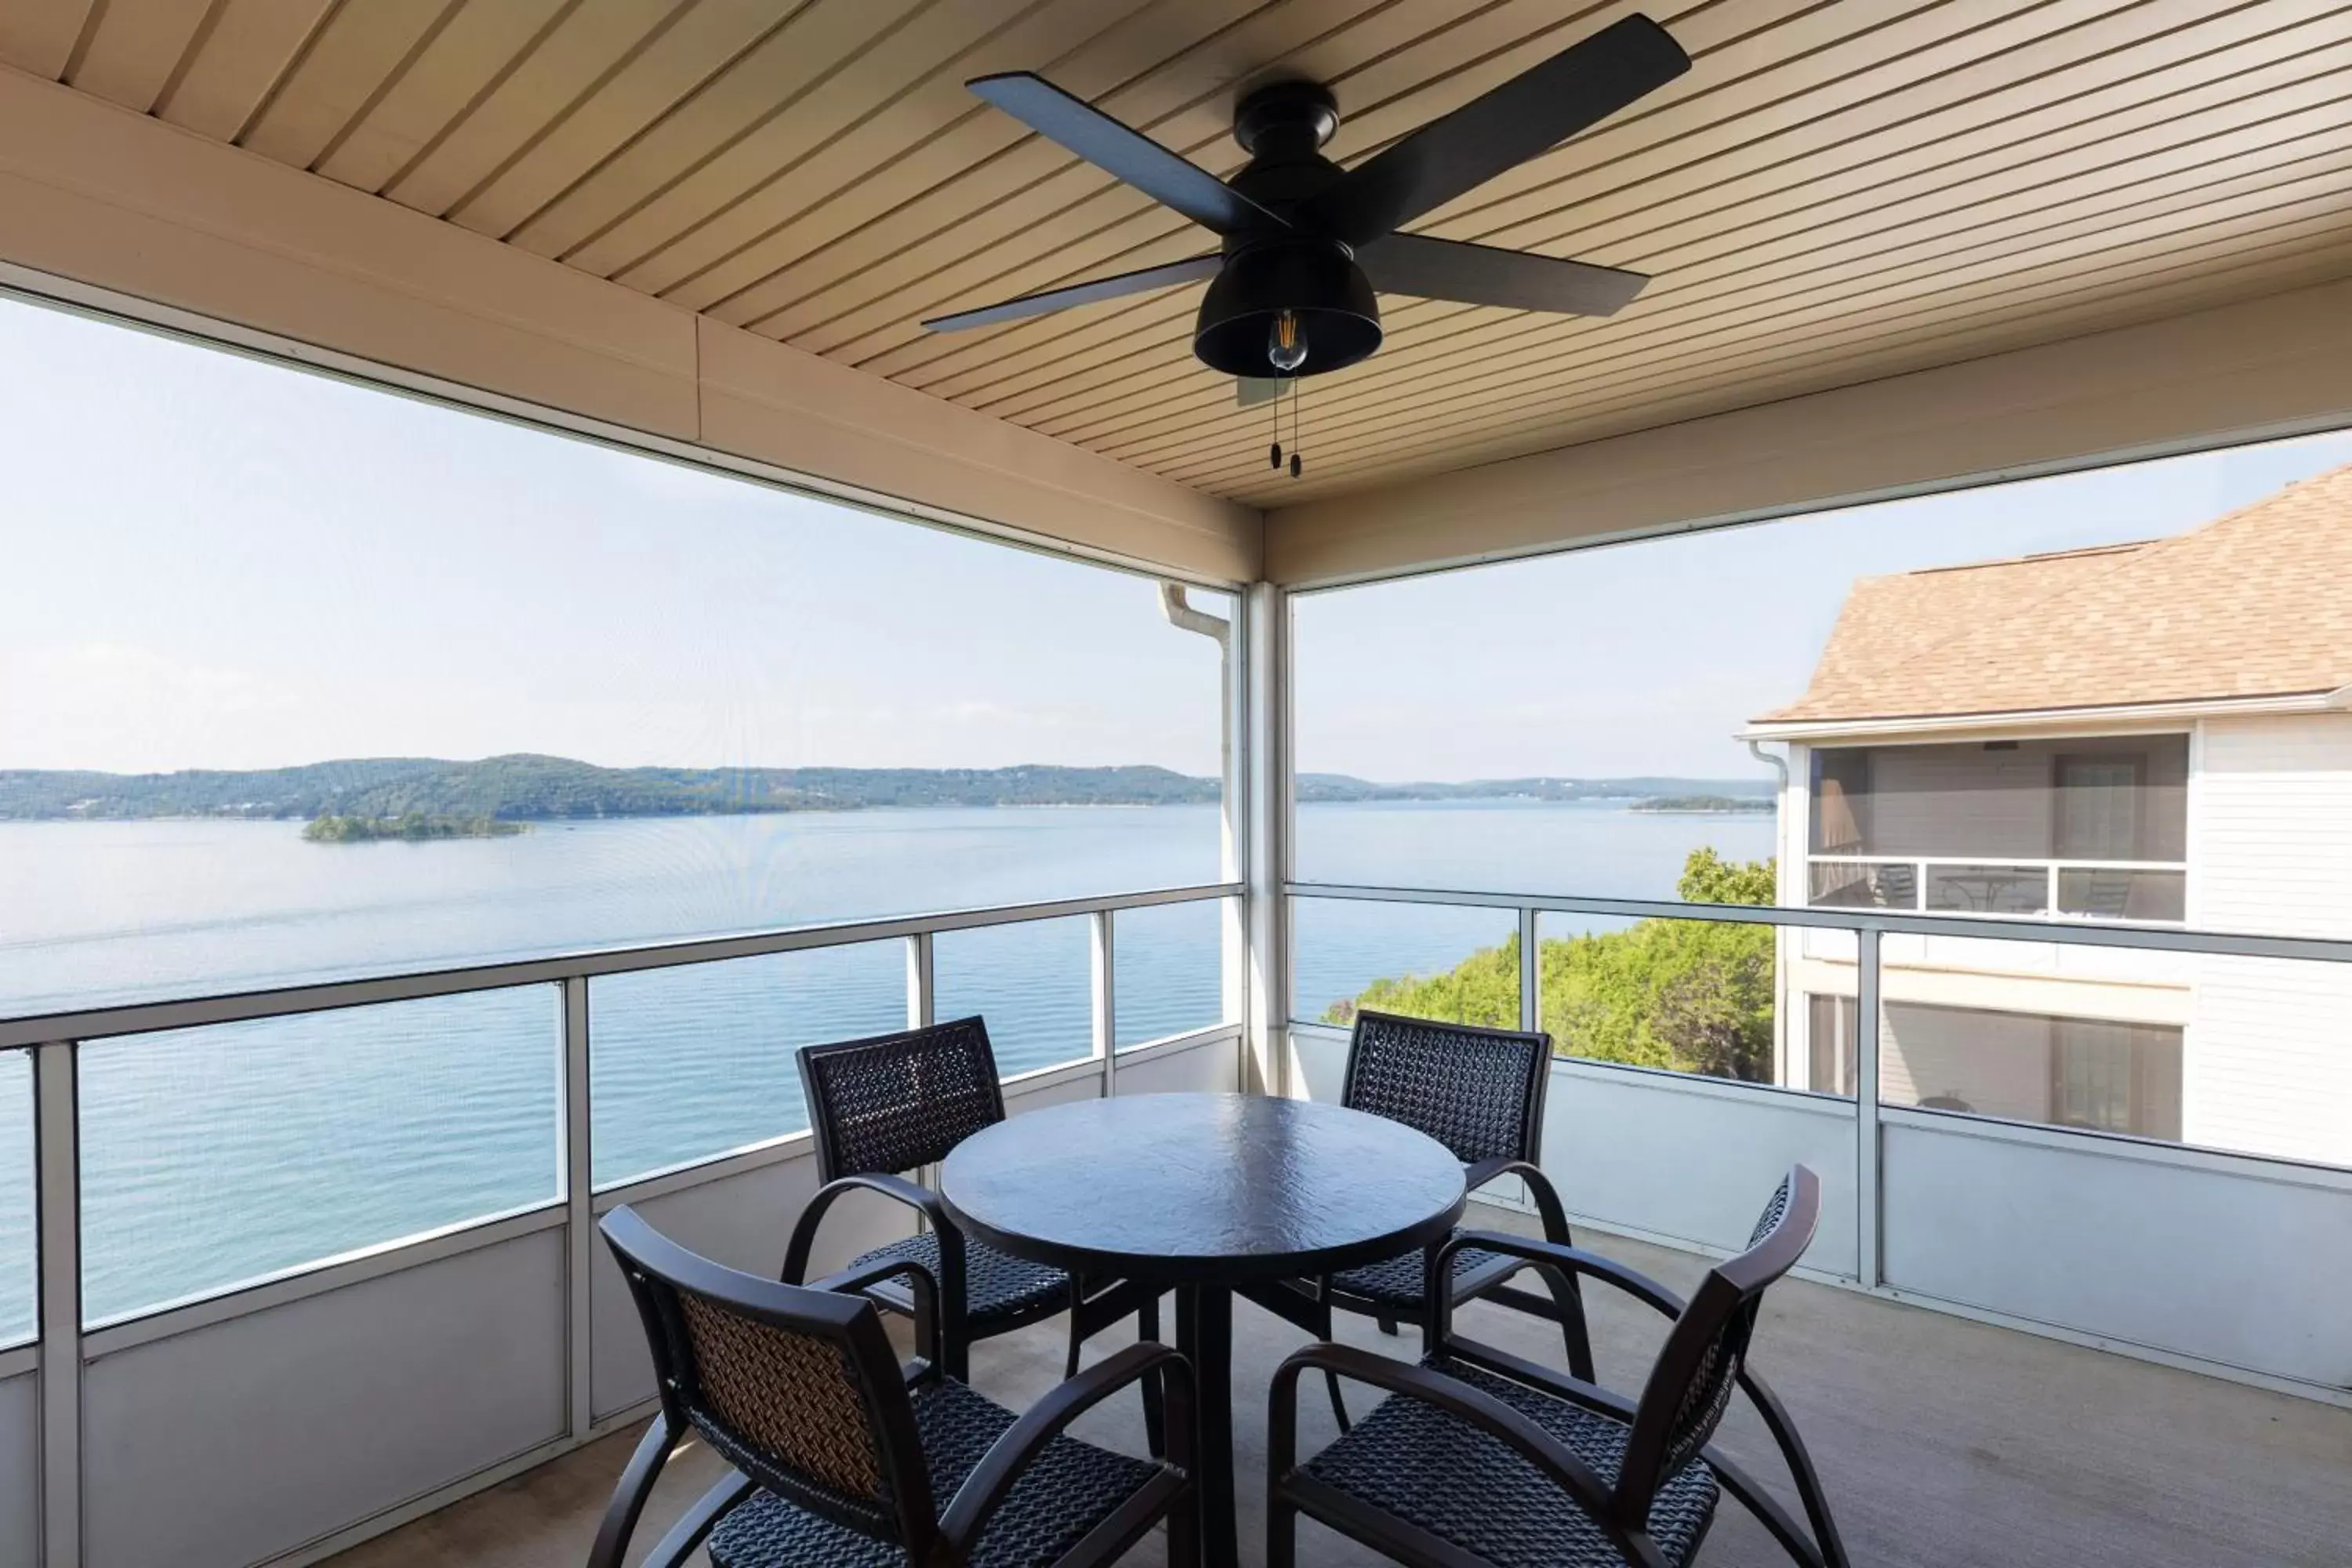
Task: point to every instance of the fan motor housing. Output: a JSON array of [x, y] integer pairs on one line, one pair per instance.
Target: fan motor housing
[[1316, 280]]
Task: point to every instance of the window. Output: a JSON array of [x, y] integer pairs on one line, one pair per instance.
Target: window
[[2095, 827], [1831, 1044], [2103, 1075], [2098, 808], [2115, 1078]]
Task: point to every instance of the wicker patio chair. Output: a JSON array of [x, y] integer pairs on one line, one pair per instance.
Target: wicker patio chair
[[1481, 1457], [895, 1104], [1480, 1092], [841, 1458]]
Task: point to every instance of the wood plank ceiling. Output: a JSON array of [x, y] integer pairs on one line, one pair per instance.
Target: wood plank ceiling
[[1836, 191]]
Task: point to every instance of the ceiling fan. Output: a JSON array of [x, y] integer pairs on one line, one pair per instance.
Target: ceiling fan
[[1307, 243]]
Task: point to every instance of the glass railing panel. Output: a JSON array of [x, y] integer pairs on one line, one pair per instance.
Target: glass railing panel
[[17, 1248], [1168, 970], [1032, 982], [689, 1063], [1428, 961], [212, 1157], [2244, 1055], [1998, 889], [1717, 998], [2123, 893]]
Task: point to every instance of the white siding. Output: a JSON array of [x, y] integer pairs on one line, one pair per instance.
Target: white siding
[[2269, 1067], [2272, 826]]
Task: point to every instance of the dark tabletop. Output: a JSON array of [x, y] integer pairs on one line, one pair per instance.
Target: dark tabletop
[[1203, 1187]]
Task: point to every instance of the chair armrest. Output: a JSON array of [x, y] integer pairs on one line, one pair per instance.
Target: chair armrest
[[1573, 1259], [1547, 1197], [926, 1290], [1473, 1406], [919, 1198], [992, 1479]]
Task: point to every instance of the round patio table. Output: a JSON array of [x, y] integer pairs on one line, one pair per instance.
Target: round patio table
[[1201, 1192]]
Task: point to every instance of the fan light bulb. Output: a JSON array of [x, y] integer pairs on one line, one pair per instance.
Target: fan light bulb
[[1286, 342]]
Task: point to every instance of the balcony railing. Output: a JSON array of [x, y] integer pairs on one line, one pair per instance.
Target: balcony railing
[[523, 1269], [2153, 891], [2056, 1229]]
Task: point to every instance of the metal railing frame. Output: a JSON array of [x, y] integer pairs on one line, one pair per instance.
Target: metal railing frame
[[1869, 927], [2050, 870], [65, 1342]]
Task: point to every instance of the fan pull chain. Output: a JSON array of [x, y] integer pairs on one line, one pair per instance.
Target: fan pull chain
[[1296, 465], [1274, 457]]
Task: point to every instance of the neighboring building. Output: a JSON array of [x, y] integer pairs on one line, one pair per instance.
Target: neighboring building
[[2152, 732]]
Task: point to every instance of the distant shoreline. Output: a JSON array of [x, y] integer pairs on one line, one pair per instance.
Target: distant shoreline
[[524, 788]]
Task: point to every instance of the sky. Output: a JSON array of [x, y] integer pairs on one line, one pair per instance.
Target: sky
[[209, 562]]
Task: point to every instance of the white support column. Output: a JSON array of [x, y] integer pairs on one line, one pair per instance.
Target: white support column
[[1266, 1057], [56, 1131], [1233, 822], [920, 999], [1105, 1007], [579, 1205], [1865, 1107]]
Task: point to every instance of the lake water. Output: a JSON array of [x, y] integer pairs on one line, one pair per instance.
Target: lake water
[[213, 1156]]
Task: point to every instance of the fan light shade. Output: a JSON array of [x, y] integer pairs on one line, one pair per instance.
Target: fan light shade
[[1317, 280]]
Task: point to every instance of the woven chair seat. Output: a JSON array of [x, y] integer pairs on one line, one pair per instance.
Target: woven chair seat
[[997, 1285], [1398, 1281], [1456, 1482], [1071, 1488]]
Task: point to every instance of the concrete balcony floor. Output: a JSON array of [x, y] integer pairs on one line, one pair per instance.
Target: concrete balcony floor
[[1943, 1443]]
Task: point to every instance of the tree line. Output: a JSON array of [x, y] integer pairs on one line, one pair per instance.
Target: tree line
[[1693, 996]]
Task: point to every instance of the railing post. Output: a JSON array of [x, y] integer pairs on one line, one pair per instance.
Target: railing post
[[921, 1002], [1530, 974], [579, 1207], [56, 1131], [1865, 1107], [1106, 1007], [2049, 894]]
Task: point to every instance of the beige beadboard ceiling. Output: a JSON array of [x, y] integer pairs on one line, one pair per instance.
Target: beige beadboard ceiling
[[1836, 191]]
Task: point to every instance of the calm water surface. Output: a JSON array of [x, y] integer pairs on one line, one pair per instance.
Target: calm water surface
[[213, 1156]]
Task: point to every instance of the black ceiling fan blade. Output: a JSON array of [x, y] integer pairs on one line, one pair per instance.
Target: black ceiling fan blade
[[1482, 275], [1139, 282], [1528, 115], [1132, 156]]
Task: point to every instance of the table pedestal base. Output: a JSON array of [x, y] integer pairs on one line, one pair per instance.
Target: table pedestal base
[[1205, 1332]]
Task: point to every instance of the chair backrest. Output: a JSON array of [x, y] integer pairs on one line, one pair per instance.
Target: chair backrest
[[1691, 1382], [798, 1389], [1896, 886], [2107, 894], [897, 1101], [1480, 1092]]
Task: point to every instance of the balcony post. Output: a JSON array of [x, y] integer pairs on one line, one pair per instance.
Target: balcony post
[[579, 1205], [1530, 974], [56, 1131], [920, 1002], [1267, 763], [1865, 1107], [1106, 1001]]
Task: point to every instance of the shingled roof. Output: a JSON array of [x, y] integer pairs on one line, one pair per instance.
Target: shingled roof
[[2255, 604]]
